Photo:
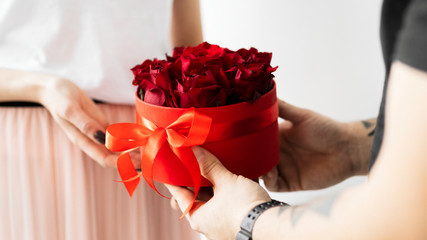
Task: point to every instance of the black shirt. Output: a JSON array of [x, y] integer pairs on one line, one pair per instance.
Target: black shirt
[[403, 38]]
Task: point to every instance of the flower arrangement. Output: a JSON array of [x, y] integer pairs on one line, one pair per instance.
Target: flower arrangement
[[222, 100], [204, 76]]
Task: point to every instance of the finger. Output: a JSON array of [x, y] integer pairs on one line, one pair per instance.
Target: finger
[[183, 196], [291, 112], [285, 125], [289, 174], [275, 183], [211, 168], [94, 150], [94, 111], [87, 125], [270, 179], [135, 156], [174, 203]]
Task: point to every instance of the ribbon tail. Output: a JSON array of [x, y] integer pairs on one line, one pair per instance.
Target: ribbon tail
[[130, 179], [127, 171], [154, 144], [188, 159]]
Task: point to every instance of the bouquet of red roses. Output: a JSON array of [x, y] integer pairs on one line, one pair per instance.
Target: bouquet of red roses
[[204, 76], [222, 100]]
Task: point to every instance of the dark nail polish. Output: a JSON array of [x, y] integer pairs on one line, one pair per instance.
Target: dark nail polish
[[100, 137]]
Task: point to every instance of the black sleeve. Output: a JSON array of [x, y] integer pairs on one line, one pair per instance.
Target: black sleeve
[[411, 46]]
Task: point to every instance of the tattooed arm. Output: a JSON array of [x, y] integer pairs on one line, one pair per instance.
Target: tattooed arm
[[392, 204]]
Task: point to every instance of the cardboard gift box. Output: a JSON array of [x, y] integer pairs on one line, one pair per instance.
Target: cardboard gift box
[[243, 136]]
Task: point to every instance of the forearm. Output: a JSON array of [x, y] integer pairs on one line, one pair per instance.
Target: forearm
[[332, 217], [22, 86], [365, 212], [359, 149], [186, 26]]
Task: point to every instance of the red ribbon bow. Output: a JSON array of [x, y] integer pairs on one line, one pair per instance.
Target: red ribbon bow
[[190, 129]]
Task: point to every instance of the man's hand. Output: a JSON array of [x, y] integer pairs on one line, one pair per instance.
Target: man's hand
[[316, 151], [233, 197]]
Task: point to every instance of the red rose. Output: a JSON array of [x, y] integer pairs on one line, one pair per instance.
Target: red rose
[[205, 76], [153, 79]]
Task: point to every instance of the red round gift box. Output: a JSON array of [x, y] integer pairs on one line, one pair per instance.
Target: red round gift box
[[251, 155]]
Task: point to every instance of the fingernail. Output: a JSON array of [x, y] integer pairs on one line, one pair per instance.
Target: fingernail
[[100, 137], [199, 153]]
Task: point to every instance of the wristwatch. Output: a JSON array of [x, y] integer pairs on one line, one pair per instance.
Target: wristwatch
[[247, 225]]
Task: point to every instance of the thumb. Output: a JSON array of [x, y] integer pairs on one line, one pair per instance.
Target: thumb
[[290, 112], [211, 168]]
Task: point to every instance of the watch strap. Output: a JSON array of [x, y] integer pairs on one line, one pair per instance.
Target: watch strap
[[248, 222]]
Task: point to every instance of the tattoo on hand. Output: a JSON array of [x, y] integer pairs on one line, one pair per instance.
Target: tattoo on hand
[[368, 125]]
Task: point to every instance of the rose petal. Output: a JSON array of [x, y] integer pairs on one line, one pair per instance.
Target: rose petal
[[155, 96]]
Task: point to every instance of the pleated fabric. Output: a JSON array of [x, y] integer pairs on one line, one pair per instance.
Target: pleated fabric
[[49, 189]]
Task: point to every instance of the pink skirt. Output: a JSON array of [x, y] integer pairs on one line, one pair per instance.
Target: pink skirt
[[51, 190]]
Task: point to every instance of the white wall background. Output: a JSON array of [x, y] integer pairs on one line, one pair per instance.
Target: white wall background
[[328, 53]]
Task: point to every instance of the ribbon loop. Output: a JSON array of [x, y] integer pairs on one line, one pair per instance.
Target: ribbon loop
[[125, 136]]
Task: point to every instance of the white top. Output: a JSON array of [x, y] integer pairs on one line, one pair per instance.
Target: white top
[[94, 43]]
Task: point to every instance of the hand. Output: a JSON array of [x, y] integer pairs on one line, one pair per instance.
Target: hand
[[315, 151], [80, 118], [233, 197]]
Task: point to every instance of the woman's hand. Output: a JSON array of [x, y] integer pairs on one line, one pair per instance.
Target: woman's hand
[[233, 197], [316, 151], [80, 118]]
